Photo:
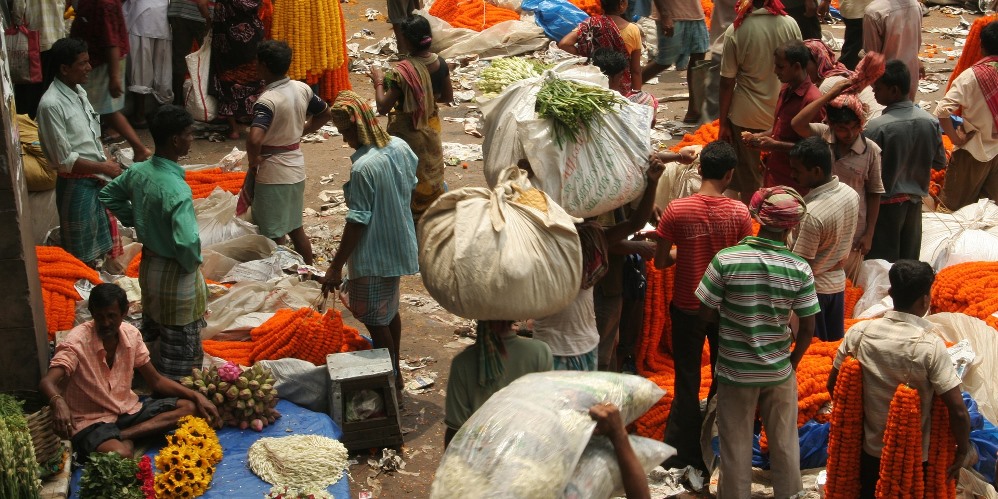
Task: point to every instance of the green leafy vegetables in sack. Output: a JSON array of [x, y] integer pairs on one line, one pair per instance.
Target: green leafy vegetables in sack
[[19, 478], [504, 72], [573, 107]]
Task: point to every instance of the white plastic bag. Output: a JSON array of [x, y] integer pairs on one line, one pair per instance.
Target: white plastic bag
[[969, 234], [679, 180], [484, 256], [254, 296], [526, 440], [597, 476], [203, 107], [979, 379], [874, 279], [514, 104], [217, 221], [602, 172], [505, 39]]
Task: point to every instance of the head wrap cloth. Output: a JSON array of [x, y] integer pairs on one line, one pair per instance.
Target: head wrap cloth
[[350, 110], [777, 207]]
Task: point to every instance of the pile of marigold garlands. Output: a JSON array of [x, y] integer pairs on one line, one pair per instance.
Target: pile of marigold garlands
[[301, 334], [187, 464], [58, 271]]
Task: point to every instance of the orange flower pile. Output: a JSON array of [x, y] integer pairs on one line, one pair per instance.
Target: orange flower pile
[[942, 451], [301, 334], [708, 10], [936, 181], [845, 437], [58, 272], [901, 460], [852, 296], [591, 7], [239, 352], [472, 14], [704, 135], [966, 288], [971, 48], [651, 361], [202, 182]]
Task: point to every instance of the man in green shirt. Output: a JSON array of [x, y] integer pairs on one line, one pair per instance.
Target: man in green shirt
[[751, 289], [153, 197]]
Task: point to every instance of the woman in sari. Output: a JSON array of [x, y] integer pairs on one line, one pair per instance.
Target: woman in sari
[[609, 30], [236, 31], [409, 95]]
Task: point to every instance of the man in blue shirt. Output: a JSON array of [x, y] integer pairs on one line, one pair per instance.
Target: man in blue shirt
[[379, 241]]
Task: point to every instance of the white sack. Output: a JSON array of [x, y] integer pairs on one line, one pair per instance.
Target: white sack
[[203, 107], [217, 221], [483, 256], [979, 380]]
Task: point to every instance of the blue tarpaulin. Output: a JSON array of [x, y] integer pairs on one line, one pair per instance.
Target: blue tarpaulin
[[556, 17], [233, 477]]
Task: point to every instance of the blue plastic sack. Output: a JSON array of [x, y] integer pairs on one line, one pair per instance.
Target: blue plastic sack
[[984, 438], [556, 17], [813, 440]]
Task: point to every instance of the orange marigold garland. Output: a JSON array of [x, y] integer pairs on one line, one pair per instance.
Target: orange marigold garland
[[845, 437], [476, 15], [304, 334], [942, 452], [971, 48], [966, 288], [704, 135], [901, 459], [202, 182], [937, 179], [58, 272]]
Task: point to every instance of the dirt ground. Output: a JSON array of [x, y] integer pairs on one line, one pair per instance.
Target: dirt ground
[[429, 332]]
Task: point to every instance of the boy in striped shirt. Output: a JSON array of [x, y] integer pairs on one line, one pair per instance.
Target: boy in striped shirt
[[750, 289]]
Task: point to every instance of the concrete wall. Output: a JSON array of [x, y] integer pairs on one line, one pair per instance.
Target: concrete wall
[[23, 337]]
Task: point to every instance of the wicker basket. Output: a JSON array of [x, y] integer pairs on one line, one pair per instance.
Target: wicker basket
[[44, 439]]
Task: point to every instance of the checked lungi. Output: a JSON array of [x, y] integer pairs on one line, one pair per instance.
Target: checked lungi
[[173, 307]]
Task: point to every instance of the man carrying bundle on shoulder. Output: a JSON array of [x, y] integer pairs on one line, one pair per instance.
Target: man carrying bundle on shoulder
[[901, 348]]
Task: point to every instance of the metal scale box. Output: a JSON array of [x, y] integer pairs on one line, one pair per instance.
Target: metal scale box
[[364, 370]]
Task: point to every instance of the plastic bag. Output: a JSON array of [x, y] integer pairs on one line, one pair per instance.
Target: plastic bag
[[556, 17], [23, 54], [969, 234], [679, 180], [203, 107], [597, 476], [507, 38], [506, 4], [874, 279], [217, 221], [525, 441], [485, 256], [603, 172], [301, 382], [979, 380]]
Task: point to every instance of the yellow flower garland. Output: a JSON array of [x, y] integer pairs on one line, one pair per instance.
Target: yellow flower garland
[[187, 463]]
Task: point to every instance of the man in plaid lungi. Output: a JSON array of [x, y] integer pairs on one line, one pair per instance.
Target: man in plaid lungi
[[153, 197]]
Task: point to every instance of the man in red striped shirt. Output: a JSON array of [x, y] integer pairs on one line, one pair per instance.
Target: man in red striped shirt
[[699, 226]]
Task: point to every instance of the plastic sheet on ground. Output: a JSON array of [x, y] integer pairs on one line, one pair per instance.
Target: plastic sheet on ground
[[301, 382], [217, 220], [504, 39], [979, 380], [232, 477], [265, 269], [255, 296]]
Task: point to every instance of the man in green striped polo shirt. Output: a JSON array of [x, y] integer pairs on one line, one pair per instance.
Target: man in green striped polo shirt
[[751, 290]]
